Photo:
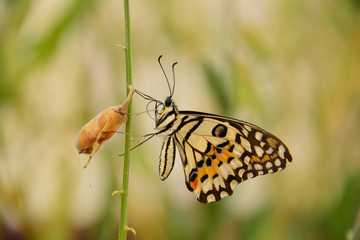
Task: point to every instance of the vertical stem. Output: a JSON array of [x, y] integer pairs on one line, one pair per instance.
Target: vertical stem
[[124, 195]]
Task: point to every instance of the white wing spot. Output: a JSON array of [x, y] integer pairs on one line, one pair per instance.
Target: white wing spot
[[270, 170], [260, 172], [258, 167], [210, 198], [218, 183], [207, 185], [277, 162], [235, 163], [258, 136], [225, 170], [250, 175], [245, 132], [262, 144], [233, 183], [238, 150], [248, 128], [268, 165], [241, 172], [281, 151], [223, 194], [246, 144], [269, 151], [259, 151], [247, 160]]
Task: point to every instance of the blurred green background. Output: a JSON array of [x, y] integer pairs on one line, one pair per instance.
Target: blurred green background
[[291, 67]]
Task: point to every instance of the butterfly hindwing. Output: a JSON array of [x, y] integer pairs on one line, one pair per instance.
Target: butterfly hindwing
[[167, 157], [218, 153]]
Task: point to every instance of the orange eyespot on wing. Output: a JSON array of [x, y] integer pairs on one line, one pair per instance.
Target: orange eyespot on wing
[[101, 128]]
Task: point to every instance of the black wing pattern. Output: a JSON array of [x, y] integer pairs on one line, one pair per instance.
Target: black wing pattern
[[219, 152]]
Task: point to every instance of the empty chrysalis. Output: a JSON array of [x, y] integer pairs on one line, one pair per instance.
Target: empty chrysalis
[[102, 128]]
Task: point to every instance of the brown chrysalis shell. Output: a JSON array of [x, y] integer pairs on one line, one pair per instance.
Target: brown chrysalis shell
[[101, 128]]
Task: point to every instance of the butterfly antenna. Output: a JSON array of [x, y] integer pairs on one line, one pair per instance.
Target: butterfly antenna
[[173, 71], [167, 80]]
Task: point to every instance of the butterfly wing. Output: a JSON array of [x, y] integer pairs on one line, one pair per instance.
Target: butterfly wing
[[219, 152], [167, 157]]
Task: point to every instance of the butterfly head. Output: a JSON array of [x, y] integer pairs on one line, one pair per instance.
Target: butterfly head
[[165, 113], [168, 102]]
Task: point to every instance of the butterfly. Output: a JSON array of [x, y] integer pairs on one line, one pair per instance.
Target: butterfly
[[217, 152]]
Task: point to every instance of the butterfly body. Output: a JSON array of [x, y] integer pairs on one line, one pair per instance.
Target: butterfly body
[[217, 152]]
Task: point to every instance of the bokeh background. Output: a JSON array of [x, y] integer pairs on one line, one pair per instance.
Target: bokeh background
[[291, 67]]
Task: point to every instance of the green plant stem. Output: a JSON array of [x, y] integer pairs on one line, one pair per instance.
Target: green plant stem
[[123, 214]]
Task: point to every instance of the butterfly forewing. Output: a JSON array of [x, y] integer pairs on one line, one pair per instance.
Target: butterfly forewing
[[219, 152]]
